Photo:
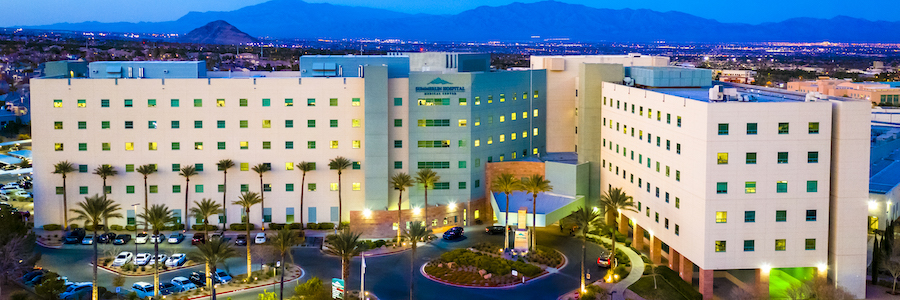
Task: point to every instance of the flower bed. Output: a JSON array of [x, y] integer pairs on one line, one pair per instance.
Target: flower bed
[[545, 256], [464, 267]]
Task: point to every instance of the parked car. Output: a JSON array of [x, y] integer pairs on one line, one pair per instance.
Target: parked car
[[141, 238], [142, 259], [176, 260], [156, 239], [33, 281], [176, 238], [199, 279], [143, 289], [241, 240], [159, 258], [168, 288], [605, 260], [28, 277], [88, 240], [106, 238], [6, 190], [184, 283], [453, 233], [198, 238], [76, 291], [494, 230], [260, 238], [122, 239], [26, 184], [123, 258], [222, 276], [75, 236]]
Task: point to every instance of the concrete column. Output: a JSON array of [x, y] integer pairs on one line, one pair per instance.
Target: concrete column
[[762, 283], [706, 283], [655, 249], [687, 270], [623, 224], [638, 241], [674, 260]]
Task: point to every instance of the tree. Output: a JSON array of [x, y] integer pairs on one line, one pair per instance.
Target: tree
[[304, 167], [260, 169], [187, 172], [506, 183], [283, 240], [535, 184], [893, 267], [417, 232], [312, 289], [427, 177], [247, 200], [204, 209], [876, 257], [339, 164], [400, 182], [157, 217], [212, 253], [223, 166], [345, 245], [63, 168], [146, 170], [615, 200], [17, 257], [51, 286], [584, 219], [94, 210], [105, 171]]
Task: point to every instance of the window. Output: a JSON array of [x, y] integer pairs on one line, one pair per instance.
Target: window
[[398, 101], [721, 188], [220, 145], [354, 123], [354, 102], [780, 245], [105, 124], [82, 168], [462, 164], [398, 122], [176, 146], [289, 145], [723, 128], [813, 129], [434, 165], [783, 128], [266, 102], [357, 144], [812, 186], [678, 148], [398, 144], [129, 168], [750, 187], [198, 167], [174, 103], [780, 216], [104, 102], [333, 102], [722, 158], [434, 123], [266, 123], [441, 185], [245, 145], [198, 102], [356, 186], [333, 123], [782, 157], [152, 146], [311, 102], [810, 244], [83, 124], [83, 190], [334, 144], [751, 158], [398, 165], [462, 102], [153, 189], [267, 145], [82, 146], [677, 200], [334, 186], [462, 185], [781, 186], [676, 229], [245, 188], [311, 187], [245, 166], [151, 102], [749, 245], [198, 188], [311, 123], [57, 125], [198, 124], [198, 145], [812, 157], [462, 122], [678, 119], [721, 217], [242, 102], [751, 128], [176, 188], [129, 146], [720, 246], [750, 216], [104, 146], [288, 187], [810, 215]]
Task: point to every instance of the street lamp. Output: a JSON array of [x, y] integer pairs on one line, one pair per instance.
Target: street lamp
[[136, 206]]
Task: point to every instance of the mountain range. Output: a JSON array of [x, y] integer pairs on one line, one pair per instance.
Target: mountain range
[[512, 22], [218, 32]]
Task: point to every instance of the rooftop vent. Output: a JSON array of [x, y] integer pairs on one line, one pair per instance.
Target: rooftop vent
[[815, 96], [716, 93]]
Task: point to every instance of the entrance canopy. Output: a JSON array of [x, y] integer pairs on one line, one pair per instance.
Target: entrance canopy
[[551, 207]]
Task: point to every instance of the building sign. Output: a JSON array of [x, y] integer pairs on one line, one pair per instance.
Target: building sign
[[440, 90]]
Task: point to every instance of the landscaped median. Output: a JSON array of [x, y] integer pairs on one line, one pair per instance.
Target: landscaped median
[[483, 266], [131, 270]]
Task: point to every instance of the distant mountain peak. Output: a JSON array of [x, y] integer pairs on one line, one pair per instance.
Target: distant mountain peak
[[218, 32]]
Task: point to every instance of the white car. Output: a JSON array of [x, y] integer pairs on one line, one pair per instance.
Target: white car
[[260, 238], [143, 289], [88, 240], [142, 259], [76, 291], [6, 190], [161, 258], [142, 238], [176, 260], [157, 238], [123, 258], [184, 283]]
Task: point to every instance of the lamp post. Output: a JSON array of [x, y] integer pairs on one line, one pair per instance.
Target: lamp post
[[136, 207]]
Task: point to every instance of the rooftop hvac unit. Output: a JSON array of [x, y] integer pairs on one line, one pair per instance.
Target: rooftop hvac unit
[[716, 93], [629, 81], [815, 96]]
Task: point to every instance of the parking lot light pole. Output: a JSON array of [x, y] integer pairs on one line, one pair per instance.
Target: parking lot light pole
[[136, 207]]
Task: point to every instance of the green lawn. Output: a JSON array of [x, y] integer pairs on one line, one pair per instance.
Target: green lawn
[[644, 288]]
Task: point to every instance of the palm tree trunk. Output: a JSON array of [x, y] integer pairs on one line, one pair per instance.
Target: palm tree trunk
[[146, 204], [281, 293], [425, 217], [534, 222], [187, 185], [213, 291], [262, 202], [583, 253], [345, 272], [156, 265], [209, 279], [95, 292], [247, 227], [412, 269], [206, 227], [104, 198], [302, 188], [340, 205], [65, 205], [399, 217], [506, 225], [612, 232], [224, 210]]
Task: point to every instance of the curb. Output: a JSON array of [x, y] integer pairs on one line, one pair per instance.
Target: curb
[[302, 274], [42, 244], [151, 274]]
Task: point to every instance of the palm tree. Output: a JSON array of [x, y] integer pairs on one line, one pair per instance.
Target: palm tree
[[187, 172], [400, 182], [105, 171], [63, 168], [535, 184], [246, 201], [94, 210], [340, 164], [146, 170], [427, 177], [224, 165], [615, 200], [584, 219], [303, 167], [283, 240], [157, 217], [507, 184], [417, 232], [260, 169], [204, 209], [212, 253], [344, 245]]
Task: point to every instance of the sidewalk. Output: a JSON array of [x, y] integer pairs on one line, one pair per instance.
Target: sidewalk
[[620, 288]]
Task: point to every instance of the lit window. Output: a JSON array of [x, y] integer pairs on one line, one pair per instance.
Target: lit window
[[535, 112], [462, 102], [477, 143], [512, 136], [267, 123], [524, 115], [57, 125], [334, 186], [512, 116], [58, 147], [220, 102], [289, 166], [198, 145], [502, 119], [780, 245], [535, 131], [57, 102], [357, 186], [105, 146], [354, 102], [152, 146], [722, 158], [813, 127], [750, 187], [490, 140], [129, 146], [783, 128], [720, 246], [356, 144], [462, 122], [355, 123], [245, 166], [245, 145], [721, 217], [288, 102], [502, 138], [334, 144]]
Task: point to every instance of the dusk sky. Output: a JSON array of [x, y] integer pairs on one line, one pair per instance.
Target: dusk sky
[[42, 12]]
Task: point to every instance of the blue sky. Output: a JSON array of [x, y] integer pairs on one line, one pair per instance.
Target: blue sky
[[40, 12]]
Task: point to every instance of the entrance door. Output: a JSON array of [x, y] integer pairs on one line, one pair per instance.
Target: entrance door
[[873, 223]]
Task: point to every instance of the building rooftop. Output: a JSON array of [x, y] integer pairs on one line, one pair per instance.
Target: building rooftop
[[884, 176], [561, 157], [753, 93]]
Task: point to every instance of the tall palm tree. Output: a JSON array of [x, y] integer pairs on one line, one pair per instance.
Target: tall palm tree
[[105, 171], [247, 200], [303, 167], [615, 200], [535, 184], [204, 209], [427, 177], [63, 168], [340, 164], [283, 240], [417, 232], [146, 170], [400, 182], [212, 253], [95, 210], [260, 169], [585, 219], [345, 245], [157, 217], [187, 172], [506, 183], [224, 165]]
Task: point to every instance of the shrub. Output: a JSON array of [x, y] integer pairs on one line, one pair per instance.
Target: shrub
[[344, 225], [479, 222], [296, 226], [494, 265], [312, 226], [326, 225], [91, 227], [20, 295], [130, 227], [276, 226], [379, 243], [115, 227], [208, 227], [241, 226], [51, 227]]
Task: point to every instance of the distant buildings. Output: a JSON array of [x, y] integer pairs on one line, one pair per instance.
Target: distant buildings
[[879, 93], [735, 76]]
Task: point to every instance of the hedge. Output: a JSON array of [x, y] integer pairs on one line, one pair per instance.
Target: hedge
[[174, 227], [276, 226], [326, 225], [52, 227], [73, 226], [115, 227], [682, 286], [312, 226], [344, 225], [241, 226], [296, 226], [208, 227], [130, 227], [494, 265]]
